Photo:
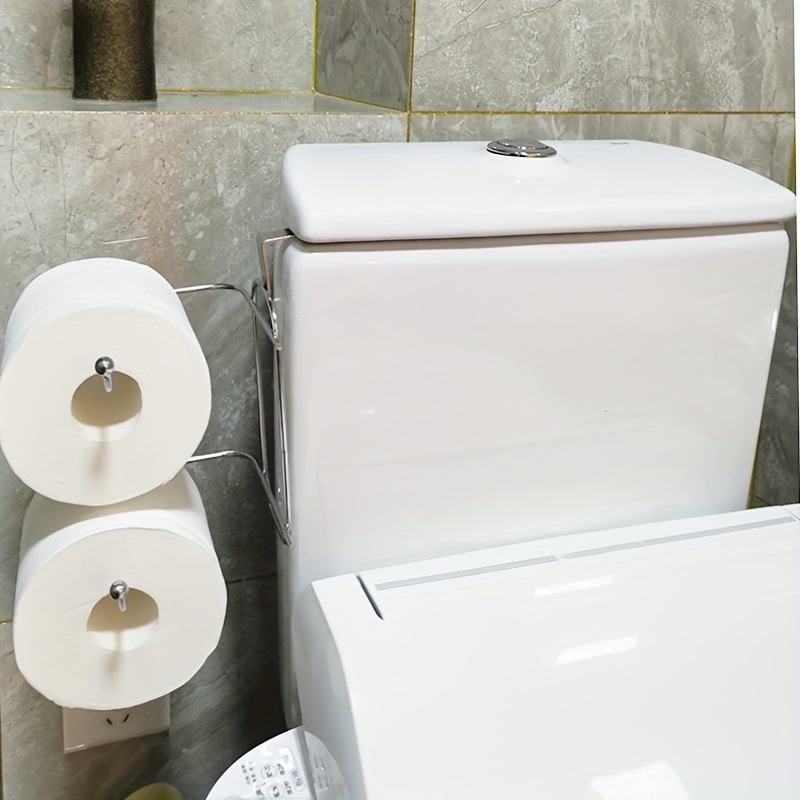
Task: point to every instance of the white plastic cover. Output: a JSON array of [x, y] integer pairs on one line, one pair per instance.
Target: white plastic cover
[[429, 190], [657, 662]]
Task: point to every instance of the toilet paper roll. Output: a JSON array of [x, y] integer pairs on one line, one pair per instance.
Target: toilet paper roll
[[61, 432], [71, 641]]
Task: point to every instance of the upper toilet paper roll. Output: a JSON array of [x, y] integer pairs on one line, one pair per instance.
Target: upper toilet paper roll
[[61, 432], [71, 641]]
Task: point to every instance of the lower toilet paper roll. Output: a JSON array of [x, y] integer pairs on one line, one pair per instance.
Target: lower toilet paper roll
[[72, 642]]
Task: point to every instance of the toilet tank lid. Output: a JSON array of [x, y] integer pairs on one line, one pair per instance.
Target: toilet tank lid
[[431, 190]]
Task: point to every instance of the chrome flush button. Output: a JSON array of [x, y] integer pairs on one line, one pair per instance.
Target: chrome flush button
[[522, 148]]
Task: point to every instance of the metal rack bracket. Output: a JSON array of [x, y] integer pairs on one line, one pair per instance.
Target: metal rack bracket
[[267, 320]]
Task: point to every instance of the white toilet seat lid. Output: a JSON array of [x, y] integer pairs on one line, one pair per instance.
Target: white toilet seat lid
[[659, 661]]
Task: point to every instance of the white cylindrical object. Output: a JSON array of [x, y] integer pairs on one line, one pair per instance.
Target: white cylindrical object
[[71, 641], [61, 432]]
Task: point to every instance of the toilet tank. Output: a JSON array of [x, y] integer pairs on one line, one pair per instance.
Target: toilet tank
[[480, 348]]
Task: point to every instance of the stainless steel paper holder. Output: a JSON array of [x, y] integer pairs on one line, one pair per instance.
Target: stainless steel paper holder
[[260, 303]]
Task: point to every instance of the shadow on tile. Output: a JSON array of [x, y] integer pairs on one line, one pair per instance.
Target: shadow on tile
[[230, 706]]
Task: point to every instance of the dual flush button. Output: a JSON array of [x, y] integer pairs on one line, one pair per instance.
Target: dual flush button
[[522, 148]]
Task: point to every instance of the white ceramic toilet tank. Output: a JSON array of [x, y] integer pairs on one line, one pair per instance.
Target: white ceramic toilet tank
[[520, 398], [481, 349]]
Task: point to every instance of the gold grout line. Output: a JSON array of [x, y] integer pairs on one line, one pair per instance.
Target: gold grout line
[[233, 91], [315, 47], [442, 113], [226, 114], [791, 178], [8, 87], [6, 621], [68, 90], [411, 39], [228, 92]]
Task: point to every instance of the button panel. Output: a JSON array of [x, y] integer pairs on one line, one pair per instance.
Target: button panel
[[272, 770]]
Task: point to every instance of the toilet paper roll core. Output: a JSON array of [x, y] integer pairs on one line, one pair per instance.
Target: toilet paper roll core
[[109, 627]]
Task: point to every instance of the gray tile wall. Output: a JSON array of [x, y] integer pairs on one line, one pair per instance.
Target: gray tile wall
[[575, 55]]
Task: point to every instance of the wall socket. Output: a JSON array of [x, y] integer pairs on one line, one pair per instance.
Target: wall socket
[[84, 728]]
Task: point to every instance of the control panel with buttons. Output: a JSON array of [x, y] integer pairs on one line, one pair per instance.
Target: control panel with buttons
[[273, 769]]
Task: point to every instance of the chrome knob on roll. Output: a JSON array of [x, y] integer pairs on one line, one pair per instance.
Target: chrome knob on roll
[[119, 592], [104, 367]]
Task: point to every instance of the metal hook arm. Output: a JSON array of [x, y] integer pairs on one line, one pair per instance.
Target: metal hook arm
[[281, 524], [268, 323]]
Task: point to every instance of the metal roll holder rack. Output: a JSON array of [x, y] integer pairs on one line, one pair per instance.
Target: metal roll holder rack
[[262, 308], [260, 302]]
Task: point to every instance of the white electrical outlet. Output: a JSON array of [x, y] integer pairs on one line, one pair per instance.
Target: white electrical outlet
[[83, 728]]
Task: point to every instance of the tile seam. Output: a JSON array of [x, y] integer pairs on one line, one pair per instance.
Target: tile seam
[[410, 87], [390, 112], [315, 46], [167, 90]]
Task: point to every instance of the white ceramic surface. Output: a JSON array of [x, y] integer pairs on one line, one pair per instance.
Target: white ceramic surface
[[445, 398], [651, 662], [426, 190]]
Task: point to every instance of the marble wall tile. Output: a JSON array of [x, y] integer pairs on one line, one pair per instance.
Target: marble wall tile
[[363, 50], [574, 55], [214, 45], [231, 705], [761, 142], [265, 44], [36, 43]]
